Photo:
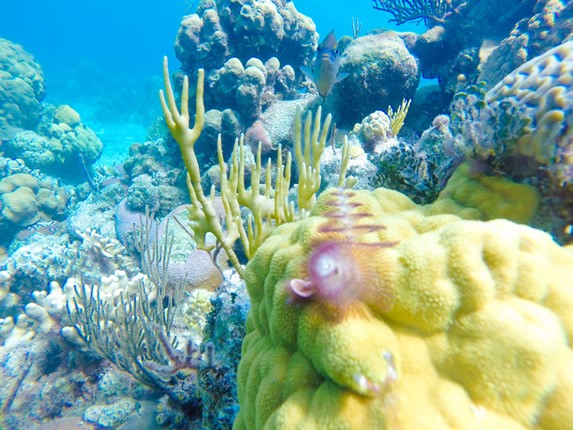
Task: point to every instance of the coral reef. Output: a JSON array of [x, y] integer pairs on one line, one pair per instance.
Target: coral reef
[[542, 96], [268, 200], [460, 37], [189, 268], [23, 88], [26, 200], [522, 128], [222, 338], [420, 10], [60, 145], [551, 24], [30, 201], [250, 88], [417, 169], [156, 192], [382, 72], [422, 305], [150, 157], [375, 132], [274, 127], [250, 51], [244, 29], [462, 315]]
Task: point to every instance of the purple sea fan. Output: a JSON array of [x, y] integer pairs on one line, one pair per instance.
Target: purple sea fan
[[342, 273]]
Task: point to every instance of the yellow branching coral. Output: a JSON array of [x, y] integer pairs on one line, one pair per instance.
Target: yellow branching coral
[[397, 118], [267, 201]]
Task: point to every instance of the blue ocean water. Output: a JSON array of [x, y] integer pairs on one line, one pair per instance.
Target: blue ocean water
[[104, 57]]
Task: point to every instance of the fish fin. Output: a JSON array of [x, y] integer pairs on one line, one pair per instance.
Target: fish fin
[[307, 72], [341, 76]]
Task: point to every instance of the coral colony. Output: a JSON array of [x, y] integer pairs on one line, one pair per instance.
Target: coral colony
[[330, 254]]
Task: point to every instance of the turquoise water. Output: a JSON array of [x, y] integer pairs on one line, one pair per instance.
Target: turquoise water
[[104, 57]]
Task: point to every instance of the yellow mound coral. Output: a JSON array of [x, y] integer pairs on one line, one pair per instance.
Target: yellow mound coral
[[476, 335], [490, 196]]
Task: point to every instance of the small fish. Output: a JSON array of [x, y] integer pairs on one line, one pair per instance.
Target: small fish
[[324, 73]]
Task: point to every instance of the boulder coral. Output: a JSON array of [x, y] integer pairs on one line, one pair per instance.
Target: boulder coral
[[22, 87], [59, 146], [27, 200], [456, 323], [382, 72], [243, 29]]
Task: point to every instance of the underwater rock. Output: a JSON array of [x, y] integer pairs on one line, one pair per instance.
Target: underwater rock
[[382, 72], [22, 87], [113, 415], [222, 339]]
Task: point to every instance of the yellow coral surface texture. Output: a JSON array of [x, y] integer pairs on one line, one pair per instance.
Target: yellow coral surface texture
[[477, 335]]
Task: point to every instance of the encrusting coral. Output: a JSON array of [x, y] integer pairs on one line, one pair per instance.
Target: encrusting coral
[[447, 321]]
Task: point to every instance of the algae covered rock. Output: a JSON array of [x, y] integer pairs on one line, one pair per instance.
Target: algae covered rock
[[443, 321]]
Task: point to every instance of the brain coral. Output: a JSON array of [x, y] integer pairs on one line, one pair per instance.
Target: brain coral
[[525, 120], [451, 322], [22, 88]]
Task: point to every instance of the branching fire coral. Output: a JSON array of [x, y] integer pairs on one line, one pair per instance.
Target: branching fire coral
[[267, 202]]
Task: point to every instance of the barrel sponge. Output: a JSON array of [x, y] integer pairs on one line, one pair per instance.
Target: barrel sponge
[[454, 323]]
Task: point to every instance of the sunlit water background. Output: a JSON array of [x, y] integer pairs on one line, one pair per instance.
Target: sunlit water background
[[103, 57]]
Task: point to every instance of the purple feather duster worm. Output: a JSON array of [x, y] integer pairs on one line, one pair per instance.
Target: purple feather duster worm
[[341, 270]]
